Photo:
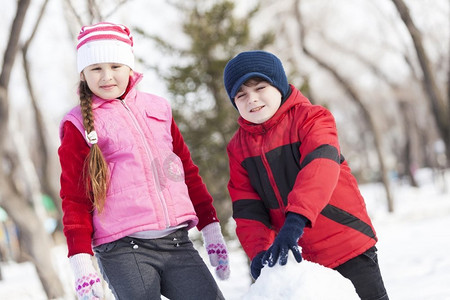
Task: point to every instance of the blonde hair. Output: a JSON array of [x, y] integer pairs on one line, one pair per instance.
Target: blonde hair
[[97, 177]]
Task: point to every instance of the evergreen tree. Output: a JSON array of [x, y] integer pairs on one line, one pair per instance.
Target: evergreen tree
[[201, 106]]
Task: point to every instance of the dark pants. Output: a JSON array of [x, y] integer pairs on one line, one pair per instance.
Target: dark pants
[[148, 268], [364, 272]]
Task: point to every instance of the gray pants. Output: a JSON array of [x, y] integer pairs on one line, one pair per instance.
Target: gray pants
[[148, 268]]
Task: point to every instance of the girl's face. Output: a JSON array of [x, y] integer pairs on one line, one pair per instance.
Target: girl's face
[[257, 102], [107, 80]]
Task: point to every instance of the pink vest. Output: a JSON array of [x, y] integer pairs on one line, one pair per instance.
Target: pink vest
[[147, 189]]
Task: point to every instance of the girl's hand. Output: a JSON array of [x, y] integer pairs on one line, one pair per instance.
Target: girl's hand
[[88, 285], [217, 250]]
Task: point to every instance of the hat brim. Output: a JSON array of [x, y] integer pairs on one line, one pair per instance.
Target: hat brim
[[104, 51], [243, 79]]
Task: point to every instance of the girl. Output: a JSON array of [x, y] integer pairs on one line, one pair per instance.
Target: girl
[[129, 188]]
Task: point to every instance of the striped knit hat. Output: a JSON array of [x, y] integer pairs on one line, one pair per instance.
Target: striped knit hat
[[104, 43], [250, 64]]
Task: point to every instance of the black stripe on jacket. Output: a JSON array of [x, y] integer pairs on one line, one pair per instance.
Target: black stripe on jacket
[[284, 162], [323, 151], [342, 217], [251, 210], [260, 181]]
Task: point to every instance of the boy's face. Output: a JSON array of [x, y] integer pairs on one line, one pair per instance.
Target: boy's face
[[257, 101]]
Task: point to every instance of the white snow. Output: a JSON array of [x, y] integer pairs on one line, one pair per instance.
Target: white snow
[[413, 252], [306, 281]]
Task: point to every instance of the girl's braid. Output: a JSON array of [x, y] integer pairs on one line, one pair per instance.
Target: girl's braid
[[95, 164], [86, 107]]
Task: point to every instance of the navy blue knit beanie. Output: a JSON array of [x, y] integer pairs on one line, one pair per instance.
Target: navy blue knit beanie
[[252, 64]]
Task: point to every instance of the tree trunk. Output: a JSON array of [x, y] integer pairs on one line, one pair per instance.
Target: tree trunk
[[408, 162], [36, 240], [354, 96], [440, 109], [42, 160], [8, 62]]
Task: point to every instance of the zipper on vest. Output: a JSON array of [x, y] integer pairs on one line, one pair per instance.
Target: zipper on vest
[[154, 168]]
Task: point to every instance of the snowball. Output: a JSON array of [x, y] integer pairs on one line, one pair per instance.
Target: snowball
[[305, 281]]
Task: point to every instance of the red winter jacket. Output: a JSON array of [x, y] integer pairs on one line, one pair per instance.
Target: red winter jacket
[[292, 163]]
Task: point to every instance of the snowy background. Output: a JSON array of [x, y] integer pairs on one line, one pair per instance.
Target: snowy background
[[413, 241], [413, 246]]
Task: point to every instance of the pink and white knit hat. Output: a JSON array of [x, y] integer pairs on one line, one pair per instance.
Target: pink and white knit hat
[[104, 43]]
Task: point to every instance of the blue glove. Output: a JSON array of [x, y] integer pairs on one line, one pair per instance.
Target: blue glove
[[286, 239], [257, 265]]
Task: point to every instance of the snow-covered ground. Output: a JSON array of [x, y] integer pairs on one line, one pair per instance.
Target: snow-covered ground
[[414, 244]]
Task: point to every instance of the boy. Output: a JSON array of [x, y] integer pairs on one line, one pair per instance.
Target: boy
[[289, 183]]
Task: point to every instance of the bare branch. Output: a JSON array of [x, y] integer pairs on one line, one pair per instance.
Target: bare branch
[[74, 12], [116, 8]]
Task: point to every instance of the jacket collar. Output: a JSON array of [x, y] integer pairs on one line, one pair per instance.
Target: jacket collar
[[130, 91], [296, 98]]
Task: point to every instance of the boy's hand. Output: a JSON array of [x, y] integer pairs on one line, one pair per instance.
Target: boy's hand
[[286, 239], [257, 265], [217, 250]]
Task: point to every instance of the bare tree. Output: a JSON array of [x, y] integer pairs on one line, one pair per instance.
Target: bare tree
[[96, 10], [14, 198], [405, 109], [345, 84], [439, 107], [46, 176]]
